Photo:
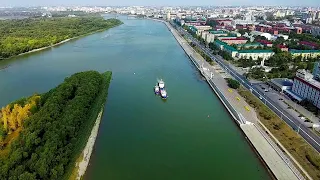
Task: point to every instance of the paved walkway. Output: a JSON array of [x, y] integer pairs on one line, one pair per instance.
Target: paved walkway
[[276, 162]]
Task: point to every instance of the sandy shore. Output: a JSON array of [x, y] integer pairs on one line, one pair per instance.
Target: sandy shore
[[43, 48], [86, 153]]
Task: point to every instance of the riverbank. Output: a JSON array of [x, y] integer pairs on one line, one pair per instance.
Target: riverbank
[[41, 49], [277, 162], [84, 158], [59, 43], [48, 32]]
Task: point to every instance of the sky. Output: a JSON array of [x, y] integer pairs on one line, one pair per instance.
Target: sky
[[159, 2]]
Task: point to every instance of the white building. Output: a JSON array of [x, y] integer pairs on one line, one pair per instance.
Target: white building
[[207, 36], [306, 87], [255, 55]]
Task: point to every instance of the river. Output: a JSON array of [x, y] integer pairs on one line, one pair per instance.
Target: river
[[141, 137]]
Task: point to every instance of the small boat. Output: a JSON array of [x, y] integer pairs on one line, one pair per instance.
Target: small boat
[[161, 84], [156, 89], [163, 93]]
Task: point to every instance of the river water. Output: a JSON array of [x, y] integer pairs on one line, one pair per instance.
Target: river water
[[141, 137]]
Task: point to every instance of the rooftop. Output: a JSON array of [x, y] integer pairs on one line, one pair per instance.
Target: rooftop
[[218, 32], [239, 38], [281, 46], [282, 81], [303, 51], [225, 45], [249, 44], [256, 51], [264, 41], [309, 43]]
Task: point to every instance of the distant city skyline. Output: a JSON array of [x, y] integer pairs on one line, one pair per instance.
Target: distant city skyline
[[160, 3]]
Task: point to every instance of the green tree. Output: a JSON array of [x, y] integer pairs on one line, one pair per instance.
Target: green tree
[[233, 83]]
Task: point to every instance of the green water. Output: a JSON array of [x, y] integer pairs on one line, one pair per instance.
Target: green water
[[141, 137]]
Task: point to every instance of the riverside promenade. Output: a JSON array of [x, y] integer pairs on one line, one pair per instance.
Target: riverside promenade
[[243, 114]]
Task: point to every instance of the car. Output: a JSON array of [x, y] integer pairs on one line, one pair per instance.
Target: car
[[266, 90], [281, 99], [263, 88]]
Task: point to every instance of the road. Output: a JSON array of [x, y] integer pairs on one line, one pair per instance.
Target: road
[[306, 133]]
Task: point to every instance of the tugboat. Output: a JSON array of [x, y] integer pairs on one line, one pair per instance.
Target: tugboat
[[163, 92]]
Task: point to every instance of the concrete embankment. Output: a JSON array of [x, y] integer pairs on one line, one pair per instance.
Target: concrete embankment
[[277, 162]]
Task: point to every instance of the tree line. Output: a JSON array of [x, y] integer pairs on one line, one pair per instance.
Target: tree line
[[20, 36], [55, 135]]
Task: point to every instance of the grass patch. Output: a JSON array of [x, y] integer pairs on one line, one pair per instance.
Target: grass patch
[[306, 155]]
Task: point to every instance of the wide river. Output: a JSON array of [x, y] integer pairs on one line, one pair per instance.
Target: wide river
[[188, 136]]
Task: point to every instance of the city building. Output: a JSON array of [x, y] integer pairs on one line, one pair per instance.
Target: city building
[[226, 37], [306, 87], [219, 33], [225, 47], [249, 45], [200, 29], [283, 48], [316, 71], [285, 37], [268, 36], [305, 54], [265, 43], [207, 36], [235, 33], [236, 40], [311, 45], [255, 55]]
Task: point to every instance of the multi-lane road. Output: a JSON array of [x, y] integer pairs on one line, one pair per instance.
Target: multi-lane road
[[306, 133]]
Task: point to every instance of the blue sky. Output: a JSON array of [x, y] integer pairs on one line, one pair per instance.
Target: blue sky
[[158, 2]]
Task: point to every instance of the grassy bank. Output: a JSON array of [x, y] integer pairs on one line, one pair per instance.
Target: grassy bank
[[306, 155]]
